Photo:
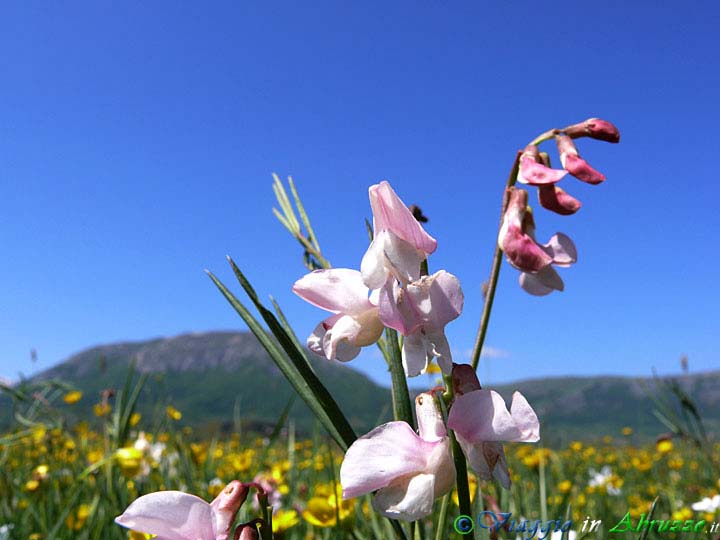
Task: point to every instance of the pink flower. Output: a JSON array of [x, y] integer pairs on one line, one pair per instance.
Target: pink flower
[[533, 172], [594, 128], [180, 516], [557, 200], [408, 471], [399, 243], [355, 322], [420, 312], [481, 421], [574, 164], [517, 240]]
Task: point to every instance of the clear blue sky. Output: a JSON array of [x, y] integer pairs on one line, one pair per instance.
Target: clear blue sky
[[137, 141]]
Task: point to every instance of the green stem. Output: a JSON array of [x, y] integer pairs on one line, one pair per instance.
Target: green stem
[[494, 274], [549, 134], [402, 407], [442, 518]]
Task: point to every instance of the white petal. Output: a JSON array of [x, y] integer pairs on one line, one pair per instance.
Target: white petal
[[372, 267], [338, 342], [170, 514], [410, 498], [375, 460], [339, 290], [414, 354]]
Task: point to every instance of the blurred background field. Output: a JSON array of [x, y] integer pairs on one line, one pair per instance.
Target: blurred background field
[[84, 439]]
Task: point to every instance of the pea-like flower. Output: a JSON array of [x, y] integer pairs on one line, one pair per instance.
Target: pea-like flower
[[408, 471], [481, 421], [574, 164], [355, 322], [420, 312], [399, 243], [517, 240], [181, 516]]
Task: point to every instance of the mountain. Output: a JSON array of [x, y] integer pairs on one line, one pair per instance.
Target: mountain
[[206, 376], [210, 375]]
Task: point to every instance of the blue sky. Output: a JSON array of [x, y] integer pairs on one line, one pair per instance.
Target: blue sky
[[137, 142]]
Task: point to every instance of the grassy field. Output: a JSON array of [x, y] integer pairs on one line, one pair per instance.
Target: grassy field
[[58, 482]]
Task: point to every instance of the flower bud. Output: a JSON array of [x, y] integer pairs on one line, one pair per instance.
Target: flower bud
[[594, 128]]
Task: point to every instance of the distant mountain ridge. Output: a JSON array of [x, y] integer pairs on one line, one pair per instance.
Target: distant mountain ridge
[[210, 375]]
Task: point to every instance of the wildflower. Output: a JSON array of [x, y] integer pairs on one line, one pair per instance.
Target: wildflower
[[707, 504], [322, 509], [481, 420], [399, 243], [594, 128], [173, 413], [408, 471], [355, 322], [72, 397], [174, 514], [574, 164], [101, 409], [517, 240], [664, 446], [565, 486], [283, 520], [627, 431], [129, 459], [76, 520], [533, 172], [420, 312], [604, 478], [134, 419]]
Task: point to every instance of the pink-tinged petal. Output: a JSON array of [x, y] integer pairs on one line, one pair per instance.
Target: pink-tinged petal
[[414, 354], [430, 421], [525, 418], [483, 416], [372, 266], [595, 128], [170, 514], [225, 507], [374, 461], [247, 532], [487, 459], [402, 260], [316, 340], [390, 213], [440, 348], [408, 499], [582, 170], [602, 130], [523, 252], [396, 309], [542, 283], [338, 343], [339, 290], [562, 249], [438, 299], [464, 379], [558, 200], [536, 174]]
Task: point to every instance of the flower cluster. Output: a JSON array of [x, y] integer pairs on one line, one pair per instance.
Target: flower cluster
[[408, 470], [388, 291], [517, 233]]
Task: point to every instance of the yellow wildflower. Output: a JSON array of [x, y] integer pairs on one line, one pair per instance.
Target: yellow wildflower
[[129, 459], [32, 485], [173, 413], [627, 431], [284, 519], [134, 419], [664, 446], [565, 486], [101, 409], [72, 397]]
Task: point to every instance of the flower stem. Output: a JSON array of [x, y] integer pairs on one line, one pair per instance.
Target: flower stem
[[494, 274], [549, 134], [402, 406]]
